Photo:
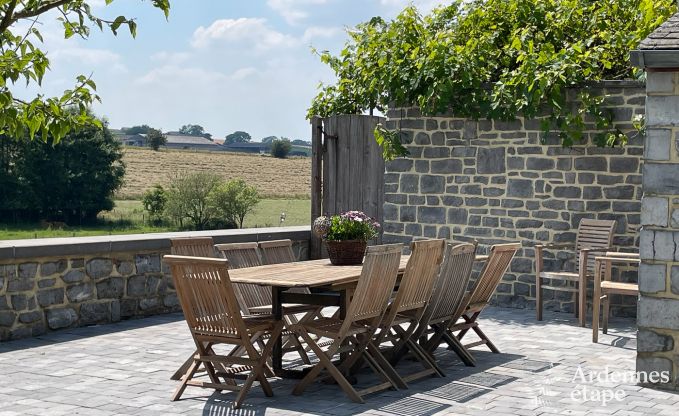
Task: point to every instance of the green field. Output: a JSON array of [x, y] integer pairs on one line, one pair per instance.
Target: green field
[[128, 217]]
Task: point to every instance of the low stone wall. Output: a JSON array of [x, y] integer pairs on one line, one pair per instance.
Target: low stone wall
[[495, 182], [49, 284]]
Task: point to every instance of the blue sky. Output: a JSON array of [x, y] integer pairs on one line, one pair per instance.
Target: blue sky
[[226, 65]]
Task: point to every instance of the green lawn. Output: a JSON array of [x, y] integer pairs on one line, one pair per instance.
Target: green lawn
[[128, 217]]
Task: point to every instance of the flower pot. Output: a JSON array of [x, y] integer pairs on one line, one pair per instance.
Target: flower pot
[[345, 253]]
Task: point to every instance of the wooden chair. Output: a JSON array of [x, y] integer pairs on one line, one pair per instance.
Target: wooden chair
[[371, 296], [213, 316], [603, 289], [594, 236], [413, 295], [257, 299], [446, 304], [193, 246], [277, 251], [475, 302]]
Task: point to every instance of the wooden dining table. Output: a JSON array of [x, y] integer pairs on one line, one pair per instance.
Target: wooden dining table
[[329, 285]]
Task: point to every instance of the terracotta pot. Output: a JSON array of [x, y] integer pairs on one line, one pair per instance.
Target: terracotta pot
[[345, 253]]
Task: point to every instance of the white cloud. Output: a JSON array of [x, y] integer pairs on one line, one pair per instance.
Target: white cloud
[[174, 75], [90, 57], [315, 32], [245, 32], [171, 57], [294, 11]]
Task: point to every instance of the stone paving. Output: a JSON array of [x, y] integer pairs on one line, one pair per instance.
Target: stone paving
[[544, 369]]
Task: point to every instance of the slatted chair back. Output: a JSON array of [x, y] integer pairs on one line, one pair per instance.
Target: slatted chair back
[[375, 285], [206, 296], [416, 285], [240, 254], [452, 282], [277, 251], [500, 257], [193, 246], [246, 255], [596, 235]]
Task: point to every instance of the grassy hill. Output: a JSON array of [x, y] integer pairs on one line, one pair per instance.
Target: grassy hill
[[275, 178]]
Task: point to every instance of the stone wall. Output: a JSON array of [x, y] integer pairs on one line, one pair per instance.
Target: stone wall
[[49, 284], [496, 182], [658, 337]]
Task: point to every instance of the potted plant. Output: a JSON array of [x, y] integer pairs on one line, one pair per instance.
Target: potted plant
[[346, 235]]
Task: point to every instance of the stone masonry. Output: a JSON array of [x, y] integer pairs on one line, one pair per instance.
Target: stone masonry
[[495, 182], [40, 294]]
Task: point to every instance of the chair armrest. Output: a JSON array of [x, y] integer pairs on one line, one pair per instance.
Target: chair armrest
[[622, 254], [597, 250], [620, 260], [555, 246]]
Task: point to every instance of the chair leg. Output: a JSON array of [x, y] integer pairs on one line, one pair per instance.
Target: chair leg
[[184, 367], [185, 379], [487, 340], [538, 284], [595, 317], [607, 310], [463, 353], [257, 372], [386, 369]]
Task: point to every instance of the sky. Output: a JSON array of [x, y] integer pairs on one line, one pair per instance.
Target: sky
[[226, 65]]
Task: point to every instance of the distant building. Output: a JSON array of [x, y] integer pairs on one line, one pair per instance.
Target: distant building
[[181, 141], [138, 140], [252, 147]]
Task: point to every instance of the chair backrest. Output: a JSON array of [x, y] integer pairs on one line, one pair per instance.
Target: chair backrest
[[500, 257], [240, 254], [277, 251], [206, 296], [375, 285], [416, 285], [193, 246], [452, 282], [246, 255], [594, 234]]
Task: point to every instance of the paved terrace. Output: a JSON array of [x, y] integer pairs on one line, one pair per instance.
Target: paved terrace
[[124, 368]]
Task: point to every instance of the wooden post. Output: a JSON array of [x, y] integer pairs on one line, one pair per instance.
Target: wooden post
[[316, 196]]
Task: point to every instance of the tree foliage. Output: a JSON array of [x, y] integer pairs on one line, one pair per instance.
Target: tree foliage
[[234, 200], [188, 199], [50, 118], [143, 129], [238, 137], [280, 148], [155, 138], [154, 201], [71, 181], [194, 130], [495, 59], [269, 139]]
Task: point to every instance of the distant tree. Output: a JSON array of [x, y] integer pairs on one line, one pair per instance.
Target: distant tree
[[155, 139], [301, 142], [143, 129], [192, 130], [154, 201], [237, 137], [280, 148], [235, 200], [269, 139], [188, 199]]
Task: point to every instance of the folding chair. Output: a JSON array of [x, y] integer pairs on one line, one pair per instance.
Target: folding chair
[[257, 299], [594, 236], [277, 251], [193, 246], [213, 316], [500, 257], [447, 302], [371, 296], [408, 306]]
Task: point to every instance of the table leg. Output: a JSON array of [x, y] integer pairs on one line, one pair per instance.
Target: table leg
[[277, 310]]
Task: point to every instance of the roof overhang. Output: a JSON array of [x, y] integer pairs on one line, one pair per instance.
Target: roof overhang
[[655, 58]]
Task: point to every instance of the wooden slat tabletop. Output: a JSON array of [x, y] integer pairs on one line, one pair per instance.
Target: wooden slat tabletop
[[311, 273]]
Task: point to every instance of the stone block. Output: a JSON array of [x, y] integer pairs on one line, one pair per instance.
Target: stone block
[[399, 165], [436, 152], [567, 192], [654, 211], [422, 166], [660, 82], [661, 178], [149, 304], [520, 188], [490, 160], [657, 145], [446, 166], [147, 263], [652, 278], [457, 216], [431, 215], [648, 365], [77, 263], [674, 280], [99, 268], [171, 301], [408, 213], [624, 165], [430, 184], [49, 297], [470, 129], [112, 288], [30, 317], [422, 139], [658, 313], [390, 212], [93, 313], [7, 319], [590, 163], [28, 270], [61, 318], [46, 283], [52, 267], [20, 302], [650, 341], [73, 276], [674, 220], [20, 285], [536, 163], [662, 111], [409, 185], [80, 292]]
